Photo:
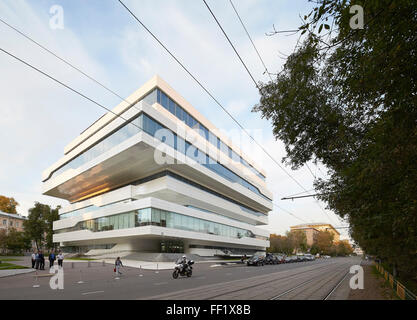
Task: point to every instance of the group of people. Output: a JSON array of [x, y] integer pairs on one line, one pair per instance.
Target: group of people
[[38, 259]]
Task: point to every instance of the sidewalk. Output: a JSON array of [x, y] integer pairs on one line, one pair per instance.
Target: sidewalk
[[374, 286], [146, 265], [13, 272]]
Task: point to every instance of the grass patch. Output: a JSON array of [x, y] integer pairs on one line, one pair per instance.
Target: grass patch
[[387, 291], [8, 266], [9, 259]]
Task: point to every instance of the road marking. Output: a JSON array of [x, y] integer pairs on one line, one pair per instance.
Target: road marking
[[92, 292], [160, 283]]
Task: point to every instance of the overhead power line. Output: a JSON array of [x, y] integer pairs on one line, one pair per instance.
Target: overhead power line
[[209, 93], [97, 103], [230, 42], [89, 77], [228, 39], [305, 196], [106, 88], [289, 212], [250, 38], [65, 85], [64, 61]]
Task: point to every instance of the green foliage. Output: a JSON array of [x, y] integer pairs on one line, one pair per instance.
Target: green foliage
[[38, 227], [3, 241], [325, 243], [280, 244], [10, 266], [13, 242], [298, 240], [351, 103], [17, 242]]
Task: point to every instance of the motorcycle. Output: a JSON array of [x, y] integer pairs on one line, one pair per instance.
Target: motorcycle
[[187, 270]]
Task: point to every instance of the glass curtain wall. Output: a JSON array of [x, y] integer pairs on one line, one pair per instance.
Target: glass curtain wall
[[162, 218]]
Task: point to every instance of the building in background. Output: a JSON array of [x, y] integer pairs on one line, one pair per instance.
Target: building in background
[[159, 178], [312, 230], [310, 233], [11, 220]]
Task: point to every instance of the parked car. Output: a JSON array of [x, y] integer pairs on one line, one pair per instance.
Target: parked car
[[256, 261], [271, 259], [288, 260], [281, 259], [301, 258], [310, 257], [294, 259]]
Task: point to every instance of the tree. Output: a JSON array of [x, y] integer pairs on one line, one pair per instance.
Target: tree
[[314, 249], [351, 103], [3, 241], [298, 240], [324, 242], [342, 248], [8, 205], [280, 244], [38, 227], [50, 217], [16, 242]]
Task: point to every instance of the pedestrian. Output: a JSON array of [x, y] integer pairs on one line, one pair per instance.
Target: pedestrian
[[33, 259], [60, 259], [41, 261], [37, 261], [117, 264], [51, 259]]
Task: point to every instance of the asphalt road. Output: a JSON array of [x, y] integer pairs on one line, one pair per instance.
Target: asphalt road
[[303, 280]]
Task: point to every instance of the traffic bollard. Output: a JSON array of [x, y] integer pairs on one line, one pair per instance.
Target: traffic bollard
[[140, 271], [36, 284], [81, 278]]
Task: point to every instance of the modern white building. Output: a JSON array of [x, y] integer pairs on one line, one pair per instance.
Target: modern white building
[[156, 176]]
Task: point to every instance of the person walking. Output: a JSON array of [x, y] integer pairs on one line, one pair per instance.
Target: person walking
[[117, 264], [33, 259], [60, 259], [51, 259], [37, 261], [41, 261]]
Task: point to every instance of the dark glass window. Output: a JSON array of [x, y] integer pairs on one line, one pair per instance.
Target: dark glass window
[[172, 106]]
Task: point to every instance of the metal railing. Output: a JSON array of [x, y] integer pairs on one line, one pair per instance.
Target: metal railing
[[402, 292]]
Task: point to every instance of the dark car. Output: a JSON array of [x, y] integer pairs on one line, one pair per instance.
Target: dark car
[[271, 259], [256, 261]]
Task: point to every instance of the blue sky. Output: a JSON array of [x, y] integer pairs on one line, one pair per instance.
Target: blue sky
[[39, 117]]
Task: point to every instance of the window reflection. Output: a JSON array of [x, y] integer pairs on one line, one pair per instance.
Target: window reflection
[[150, 126], [162, 218]]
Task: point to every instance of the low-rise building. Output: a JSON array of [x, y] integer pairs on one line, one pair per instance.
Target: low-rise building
[[311, 234], [312, 230], [11, 220]]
